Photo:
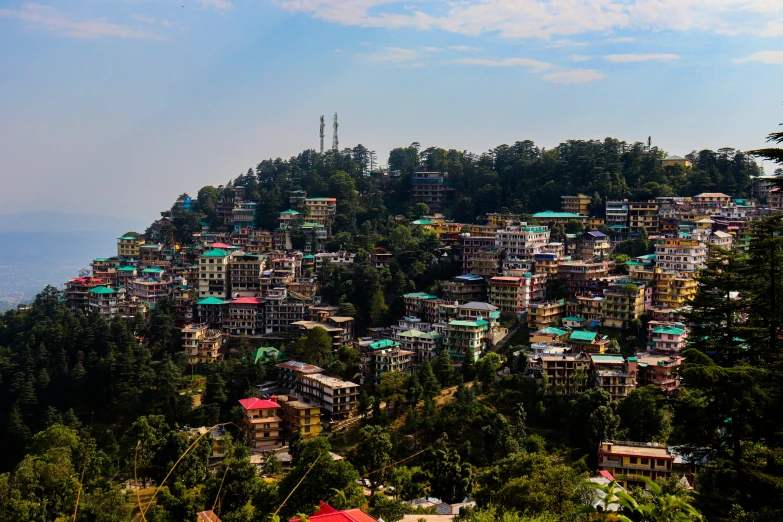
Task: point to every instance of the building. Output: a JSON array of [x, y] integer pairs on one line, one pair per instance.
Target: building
[[775, 199], [338, 398], [614, 374], [300, 416], [381, 357], [681, 255], [510, 294], [594, 244], [284, 308], [710, 202], [149, 290], [543, 314], [243, 215], [670, 161], [214, 279], [76, 294], [617, 218], [245, 272], [643, 215], [659, 370], [322, 211], [590, 342], [202, 344], [128, 247], [243, 316], [289, 372], [380, 257], [668, 339], [633, 459], [565, 374], [583, 277], [464, 338], [428, 188], [521, 242], [261, 423], [103, 301], [579, 204], [587, 307], [486, 263], [672, 289], [558, 218], [326, 513], [623, 302], [340, 336], [465, 288], [423, 345]]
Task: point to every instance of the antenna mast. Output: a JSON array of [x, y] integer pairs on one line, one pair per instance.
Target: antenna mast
[[322, 133], [335, 141]]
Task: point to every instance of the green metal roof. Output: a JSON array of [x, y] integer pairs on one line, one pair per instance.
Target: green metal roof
[[100, 260], [309, 256], [216, 252], [552, 214], [318, 199], [609, 359], [551, 330], [152, 270], [211, 300], [672, 330], [575, 319], [419, 295], [102, 290], [383, 343], [480, 322], [264, 354], [422, 222], [127, 268], [581, 335], [128, 238], [291, 212]]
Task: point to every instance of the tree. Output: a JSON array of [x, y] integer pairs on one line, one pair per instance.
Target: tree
[[374, 452], [387, 509], [442, 368], [392, 389], [644, 415], [592, 419], [468, 369], [378, 308], [452, 479], [429, 383], [346, 309], [487, 368]]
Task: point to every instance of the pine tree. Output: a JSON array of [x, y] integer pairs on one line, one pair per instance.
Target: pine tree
[[442, 368], [429, 383], [468, 369]]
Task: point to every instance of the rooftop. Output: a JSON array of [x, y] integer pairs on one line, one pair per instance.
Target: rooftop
[[581, 335], [215, 252], [102, 290], [254, 403], [210, 301], [553, 214]]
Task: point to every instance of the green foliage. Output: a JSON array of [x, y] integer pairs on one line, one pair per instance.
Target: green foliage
[[592, 419], [644, 415], [452, 479], [374, 452], [389, 509]]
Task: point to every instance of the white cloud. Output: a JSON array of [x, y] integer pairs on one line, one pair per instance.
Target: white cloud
[[50, 19], [621, 39], [565, 42], [220, 5], [392, 54], [533, 65], [433, 49], [574, 76], [770, 57], [463, 48], [629, 58], [580, 58], [563, 18]]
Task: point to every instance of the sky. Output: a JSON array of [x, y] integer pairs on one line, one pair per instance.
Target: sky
[[115, 107]]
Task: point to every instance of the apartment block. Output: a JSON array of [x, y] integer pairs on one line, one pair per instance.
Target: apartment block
[[617, 217], [594, 244], [579, 204], [486, 263], [128, 247], [543, 314], [659, 370], [711, 202], [210, 311], [673, 289], [283, 309], [103, 301], [423, 345], [566, 374], [510, 294], [243, 215], [428, 188], [243, 316], [633, 459], [465, 288], [464, 338], [261, 423], [338, 398], [245, 272], [289, 372], [214, 278], [299, 416], [381, 357], [643, 215], [76, 293], [202, 344], [623, 302], [521, 242], [681, 255], [614, 374], [322, 211]]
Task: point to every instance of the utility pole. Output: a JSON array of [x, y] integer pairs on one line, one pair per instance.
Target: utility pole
[[335, 141], [322, 133]]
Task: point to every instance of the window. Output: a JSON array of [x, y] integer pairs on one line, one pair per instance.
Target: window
[[661, 462], [645, 461], [307, 429], [633, 460], [266, 434]]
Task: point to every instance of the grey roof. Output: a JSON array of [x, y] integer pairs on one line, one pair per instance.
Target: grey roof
[[476, 305]]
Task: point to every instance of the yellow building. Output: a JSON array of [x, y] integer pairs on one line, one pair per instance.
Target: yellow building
[[645, 459], [673, 289], [669, 161], [301, 416], [643, 215], [499, 220], [579, 204], [541, 315], [622, 303], [201, 344], [129, 246], [594, 223]]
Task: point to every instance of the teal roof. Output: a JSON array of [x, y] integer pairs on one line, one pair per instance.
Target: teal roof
[[210, 301], [152, 270], [617, 227], [494, 314], [291, 212], [128, 238], [318, 199], [419, 295], [127, 268], [575, 319], [422, 222], [581, 335], [383, 343], [102, 290], [551, 330], [309, 256], [609, 359], [480, 322], [100, 260], [417, 334], [215, 252], [672, 330], [264, 354], [552, 214]]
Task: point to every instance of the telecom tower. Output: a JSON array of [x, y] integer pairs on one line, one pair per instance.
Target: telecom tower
[[335, 141], [322, 133]]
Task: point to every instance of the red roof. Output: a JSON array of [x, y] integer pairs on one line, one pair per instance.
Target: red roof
[[246, 300], [258, 404], [220, 245], [326, 513], [605, 474]]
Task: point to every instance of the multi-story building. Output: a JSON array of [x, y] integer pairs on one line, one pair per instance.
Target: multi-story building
[[566, 374], [423, 345], [590, 342], [149, 290], [210, 311], [579, 204], [103, 300], [510, 294], [338, 398], [636, 459], [659, 370], [202, 344], [474, 243], [322, 211], [214, 278], [243, 316], [243, 215], [614, 374], [245, 272], [183, 305], [682, 255], [428, 188], [381, 357], [775, 199], [416, 304], [643, 215], [300, 416], [710, 202], [551, 218], [521, 242], [623, 302], [670, 161], [128, 247], [486, 263], [151, 254], [125, 275], [617, 218], [464, 338], [543, 314], [283, 309], [546, 263], [583, 277], [672, 289], [588, 307], [340, 258], [465, 288], [289, 372], [594, 244], [340, 336], [261, 423], [668, 339]]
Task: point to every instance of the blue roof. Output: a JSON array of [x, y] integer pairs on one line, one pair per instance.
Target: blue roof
[[470, 277]]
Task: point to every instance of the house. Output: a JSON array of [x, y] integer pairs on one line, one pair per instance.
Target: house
[[202, 344], [589, 342], [659, 370], [566, 373], [103, 301], [543, 314], [614, 374], [669, 339], [574, 322], [558, 218], [214, 274], [594, 244], [634, 459], [300, 416], [579, 204], [380, 257], [337, 333], [261, 424], [548, 334], [670, 161], [338, 398], [289, 372], [129, 247]]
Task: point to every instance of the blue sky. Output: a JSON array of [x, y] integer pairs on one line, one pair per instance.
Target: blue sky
[[116, 106]]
